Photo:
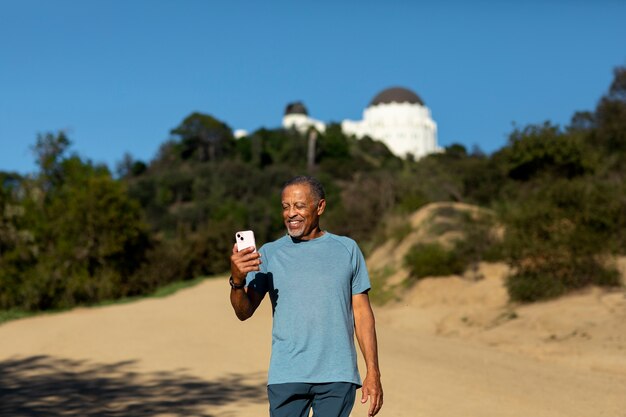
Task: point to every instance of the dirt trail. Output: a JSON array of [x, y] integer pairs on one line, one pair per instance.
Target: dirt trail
[[187, 355]]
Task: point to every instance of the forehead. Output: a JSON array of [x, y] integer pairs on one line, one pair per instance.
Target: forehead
[[297, 192]]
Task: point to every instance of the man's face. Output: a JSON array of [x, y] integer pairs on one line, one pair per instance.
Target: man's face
[[301, 211]]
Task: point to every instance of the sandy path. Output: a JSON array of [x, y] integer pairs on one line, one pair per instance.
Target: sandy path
[[187, 355]]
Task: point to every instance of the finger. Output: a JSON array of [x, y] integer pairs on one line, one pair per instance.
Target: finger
[[246, 255], [249, 261], [371, 412], [242, 252], [377, 402], [252, 255], [364, 395], [249, 268], [241, 257], [242, 266], [379, 405]]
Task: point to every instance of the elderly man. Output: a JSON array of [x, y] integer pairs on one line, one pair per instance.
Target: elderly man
[[318, 285]]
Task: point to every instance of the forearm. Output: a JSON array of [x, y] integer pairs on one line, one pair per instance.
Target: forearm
[[365, 329], [241, 303], [366, 336], [244, 300]]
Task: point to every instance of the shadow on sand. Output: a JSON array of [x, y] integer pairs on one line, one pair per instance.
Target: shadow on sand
[[48, 386]]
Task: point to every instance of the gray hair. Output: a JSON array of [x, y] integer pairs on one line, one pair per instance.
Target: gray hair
[[316, 187]]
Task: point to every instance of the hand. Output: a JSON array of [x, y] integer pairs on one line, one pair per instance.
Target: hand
[[374, 390], [242, 262]]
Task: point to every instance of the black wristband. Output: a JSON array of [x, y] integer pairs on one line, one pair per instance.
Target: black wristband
[[236, 286]]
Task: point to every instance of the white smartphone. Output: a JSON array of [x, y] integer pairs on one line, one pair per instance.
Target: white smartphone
[[245, 239]]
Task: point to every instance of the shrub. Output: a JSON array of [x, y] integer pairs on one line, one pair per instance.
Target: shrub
[[557, 236], [480, 241], [552, 279], [432, 259]]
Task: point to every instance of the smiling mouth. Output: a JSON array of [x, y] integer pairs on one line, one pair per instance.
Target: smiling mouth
[[294, 223]]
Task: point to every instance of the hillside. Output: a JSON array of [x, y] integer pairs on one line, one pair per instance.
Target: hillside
[[449, 346], [386, 262], [73, 233], [586, 329]]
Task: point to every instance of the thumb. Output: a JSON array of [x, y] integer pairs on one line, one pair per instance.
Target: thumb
[[364, 395]]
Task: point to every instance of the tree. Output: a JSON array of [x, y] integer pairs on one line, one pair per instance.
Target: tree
[[73, 235], [129, 167], [543, 150], [610, 116], [49, 150], [204, 138], [558, 237]]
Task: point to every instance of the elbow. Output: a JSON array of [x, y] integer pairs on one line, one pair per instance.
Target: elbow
[[243, 315]]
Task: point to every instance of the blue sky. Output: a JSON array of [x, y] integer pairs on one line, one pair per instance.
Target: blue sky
[[119, 75]]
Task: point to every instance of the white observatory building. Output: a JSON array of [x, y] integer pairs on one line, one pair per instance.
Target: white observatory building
[[297, 117], [398, 117]]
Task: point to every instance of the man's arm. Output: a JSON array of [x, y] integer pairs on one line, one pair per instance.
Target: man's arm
[[245, 300], [365, 328]]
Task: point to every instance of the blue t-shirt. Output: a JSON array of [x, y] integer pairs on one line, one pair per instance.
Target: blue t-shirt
[[310, 284]]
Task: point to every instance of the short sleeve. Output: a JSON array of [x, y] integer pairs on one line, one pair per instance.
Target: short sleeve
[[360, 276]]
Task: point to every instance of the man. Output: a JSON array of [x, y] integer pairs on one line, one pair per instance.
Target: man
[[318, 284]]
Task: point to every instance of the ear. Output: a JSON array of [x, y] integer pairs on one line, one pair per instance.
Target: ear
[[321, 205]]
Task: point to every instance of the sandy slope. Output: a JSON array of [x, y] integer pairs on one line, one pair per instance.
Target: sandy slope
[[446, 350]]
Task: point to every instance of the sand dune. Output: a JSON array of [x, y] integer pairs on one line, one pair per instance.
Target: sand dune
[[452, 347]]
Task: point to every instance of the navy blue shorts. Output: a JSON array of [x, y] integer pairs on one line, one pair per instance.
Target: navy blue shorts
[[333, 399]]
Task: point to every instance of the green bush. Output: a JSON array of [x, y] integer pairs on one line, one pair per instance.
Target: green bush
[[558, 235], [432, 259], [480, 241], [552, 279]]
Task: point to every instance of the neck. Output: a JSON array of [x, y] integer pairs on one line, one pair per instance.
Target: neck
[[314, 234]]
